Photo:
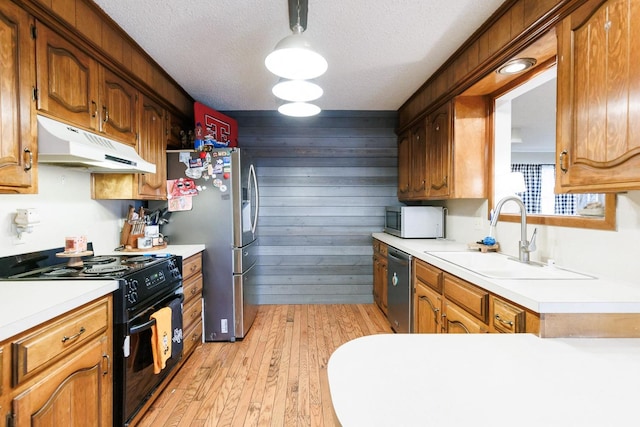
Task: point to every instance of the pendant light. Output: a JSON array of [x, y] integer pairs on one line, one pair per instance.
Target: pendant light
[[297, 90], [293, 58], [299, 109]]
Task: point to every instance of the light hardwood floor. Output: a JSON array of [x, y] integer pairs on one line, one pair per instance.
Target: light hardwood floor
[[276, 376]]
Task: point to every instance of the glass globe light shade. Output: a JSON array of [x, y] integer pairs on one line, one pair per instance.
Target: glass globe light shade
[[299, 109], [297, 90]]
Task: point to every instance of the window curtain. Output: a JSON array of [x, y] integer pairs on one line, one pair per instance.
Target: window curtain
[[565, 204], [533, 182]]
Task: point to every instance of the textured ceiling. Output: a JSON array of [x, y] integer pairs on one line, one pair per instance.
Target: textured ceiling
[[379, 51]]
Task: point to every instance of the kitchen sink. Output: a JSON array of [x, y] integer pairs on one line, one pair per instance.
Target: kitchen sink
[[500, 266]]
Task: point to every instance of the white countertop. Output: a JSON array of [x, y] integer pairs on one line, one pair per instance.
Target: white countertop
[[485, 380], [600, 295], [25, 304]]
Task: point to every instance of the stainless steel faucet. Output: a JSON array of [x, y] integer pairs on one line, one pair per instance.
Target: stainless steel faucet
[[525, 247]]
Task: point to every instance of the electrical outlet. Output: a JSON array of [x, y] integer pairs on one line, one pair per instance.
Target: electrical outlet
[[224, 328]]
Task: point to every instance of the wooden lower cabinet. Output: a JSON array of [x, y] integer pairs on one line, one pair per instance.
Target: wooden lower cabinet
[[192, 306], [427, 310], [380, 251], [444, 303], [61, 370], [456, 320]]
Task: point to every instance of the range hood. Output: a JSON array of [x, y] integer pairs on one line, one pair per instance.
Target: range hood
[[65, 145]]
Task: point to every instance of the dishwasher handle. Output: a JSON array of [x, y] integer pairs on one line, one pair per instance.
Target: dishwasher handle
[[399, 257]]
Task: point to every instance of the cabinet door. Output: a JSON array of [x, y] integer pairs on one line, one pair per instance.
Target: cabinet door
[[380, 281], [404, 166], [439, 152], [598, 93], [427, 309], [18, 153], [457, 321], [67, 80], [119, 107], [76, 394], [152, 147], [418, 177]]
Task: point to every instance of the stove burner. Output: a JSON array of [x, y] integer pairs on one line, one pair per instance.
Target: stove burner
[[60, 272], [104, 259], [138, 259], [105, 269]]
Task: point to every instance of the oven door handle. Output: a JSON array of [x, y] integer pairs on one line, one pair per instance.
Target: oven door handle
[[139, 328]]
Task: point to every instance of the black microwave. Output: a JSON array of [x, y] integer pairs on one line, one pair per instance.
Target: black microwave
[[415, 222]]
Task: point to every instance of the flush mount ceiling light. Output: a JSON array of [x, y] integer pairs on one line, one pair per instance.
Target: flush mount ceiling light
[[299, 109], [516, 66], [293, 58], [297, 90]]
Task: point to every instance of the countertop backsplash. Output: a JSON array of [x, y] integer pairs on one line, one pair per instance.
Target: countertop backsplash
[[65, 208], [610, 253]]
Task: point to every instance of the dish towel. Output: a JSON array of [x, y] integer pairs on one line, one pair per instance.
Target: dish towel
[[161, 338], [176, 328]]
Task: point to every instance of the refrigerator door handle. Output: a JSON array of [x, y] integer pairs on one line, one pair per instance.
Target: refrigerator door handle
[[254, 178]]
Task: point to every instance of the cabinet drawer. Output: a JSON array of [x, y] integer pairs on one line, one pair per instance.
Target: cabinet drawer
[[191, 313], [473, 299], [507, 317], [192, 337], [429, 275], [47, 344], [191, 266], [192, 287], [457, 321]]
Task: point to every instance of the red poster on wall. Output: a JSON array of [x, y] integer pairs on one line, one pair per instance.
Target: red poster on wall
[[219, 129]]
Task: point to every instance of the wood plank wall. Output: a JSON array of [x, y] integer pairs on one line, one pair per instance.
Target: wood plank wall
[[324, 183]]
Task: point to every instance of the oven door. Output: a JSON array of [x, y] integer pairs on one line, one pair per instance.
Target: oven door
[[139, 380]]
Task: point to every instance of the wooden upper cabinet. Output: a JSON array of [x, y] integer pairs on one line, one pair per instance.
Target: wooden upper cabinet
[[67, 80], [446, 158], [118, 107], [419, 161], [18, 147], [598, 127], [152, 147], [75, 88], [404, 166], [439, 153]]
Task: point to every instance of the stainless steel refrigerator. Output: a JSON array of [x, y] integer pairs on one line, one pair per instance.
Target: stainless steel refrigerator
[[223, 216]]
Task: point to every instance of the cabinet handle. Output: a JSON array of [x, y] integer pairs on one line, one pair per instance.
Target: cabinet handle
[[194, 291], [29, 164], [563, 160], [459, 323], [66, 338], [105, 113], [95, 109], [105, 357], [508, 323]]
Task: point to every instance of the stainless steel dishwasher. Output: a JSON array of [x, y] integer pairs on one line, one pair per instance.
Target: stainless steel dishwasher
[[399, 290]]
